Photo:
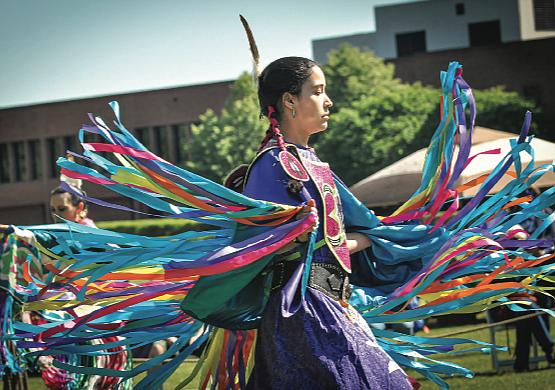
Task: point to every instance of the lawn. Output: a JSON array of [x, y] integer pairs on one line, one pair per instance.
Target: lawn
[[485, 377]]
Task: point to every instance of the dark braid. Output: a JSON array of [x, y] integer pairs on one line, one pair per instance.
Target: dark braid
[[273, 131]]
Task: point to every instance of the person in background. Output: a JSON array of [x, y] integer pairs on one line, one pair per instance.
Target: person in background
[[68, 206], [534, 326]]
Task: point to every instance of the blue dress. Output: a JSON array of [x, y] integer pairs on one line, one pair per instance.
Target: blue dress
[[325, 344]]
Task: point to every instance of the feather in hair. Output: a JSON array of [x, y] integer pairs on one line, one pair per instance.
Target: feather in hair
[[254, 50]]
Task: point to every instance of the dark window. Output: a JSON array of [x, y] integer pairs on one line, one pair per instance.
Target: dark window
[[54, 149], [544, 15], [181, 135], [89, 138], [411, 43], [143, 135], [35, 159], [459, 8], [70, 143], [18, 149], [161, 142], [4, 164], [484, 33]]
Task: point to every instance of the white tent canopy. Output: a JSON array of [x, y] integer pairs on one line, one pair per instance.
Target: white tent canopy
[[396, 183]]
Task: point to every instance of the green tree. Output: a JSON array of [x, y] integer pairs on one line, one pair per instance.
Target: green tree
[[222, 142], [352, 75], [502, 110], [378, 118]]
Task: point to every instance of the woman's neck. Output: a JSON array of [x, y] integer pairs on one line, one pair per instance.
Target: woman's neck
[[294, 136]]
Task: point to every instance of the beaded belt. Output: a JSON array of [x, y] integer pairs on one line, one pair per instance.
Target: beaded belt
[[330, 279]]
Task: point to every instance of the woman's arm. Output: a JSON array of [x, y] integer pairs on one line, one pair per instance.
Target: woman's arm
[[357, 242], [24, 234]]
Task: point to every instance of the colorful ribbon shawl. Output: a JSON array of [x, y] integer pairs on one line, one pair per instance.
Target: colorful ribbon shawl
[[147, 289]]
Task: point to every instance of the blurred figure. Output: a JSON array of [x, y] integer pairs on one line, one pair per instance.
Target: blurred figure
[[68, 206]]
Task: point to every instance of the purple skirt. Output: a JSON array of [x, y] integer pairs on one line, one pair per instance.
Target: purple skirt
[[322, 346]]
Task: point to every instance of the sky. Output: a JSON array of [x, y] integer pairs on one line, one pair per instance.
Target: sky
[[56, 50]]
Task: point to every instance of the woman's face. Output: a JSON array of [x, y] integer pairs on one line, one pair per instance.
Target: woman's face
[[61, 205], [312, 104]]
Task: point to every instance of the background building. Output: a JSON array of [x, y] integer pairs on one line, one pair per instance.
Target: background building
[[33, 137], [499, 42], [403, 30]]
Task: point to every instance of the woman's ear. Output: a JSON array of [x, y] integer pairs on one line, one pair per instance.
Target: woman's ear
[[80, 208], [288, 100]]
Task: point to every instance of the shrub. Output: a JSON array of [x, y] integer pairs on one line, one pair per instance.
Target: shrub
[[157, 227]]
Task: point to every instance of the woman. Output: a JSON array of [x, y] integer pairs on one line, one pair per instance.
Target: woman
[[324, 344], [70, 207]]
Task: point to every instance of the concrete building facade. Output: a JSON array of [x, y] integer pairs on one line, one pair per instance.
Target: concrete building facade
[[403, 30]]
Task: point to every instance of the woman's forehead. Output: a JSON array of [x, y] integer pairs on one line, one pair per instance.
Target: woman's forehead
[[60, 198], [317, 78]]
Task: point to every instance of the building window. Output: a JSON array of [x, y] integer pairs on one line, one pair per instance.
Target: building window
[[411, 43], [143, 135], [484, 33], [70, 143], [88, 138], [544, 15], [54, 148], [181, 135], [18, 149], [35, 160], [459, 8], [161, 142], [4, 164]]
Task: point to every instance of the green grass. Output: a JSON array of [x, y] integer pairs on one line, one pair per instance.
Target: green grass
[[36, 383], [485, 377]]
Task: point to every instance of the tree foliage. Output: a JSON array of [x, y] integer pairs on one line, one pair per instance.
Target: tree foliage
[[222, 142], [379, 118], [502, 110], [353, 75]]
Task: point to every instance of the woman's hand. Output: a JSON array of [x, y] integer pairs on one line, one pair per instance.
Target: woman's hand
[[3, 228], [310, 207]]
